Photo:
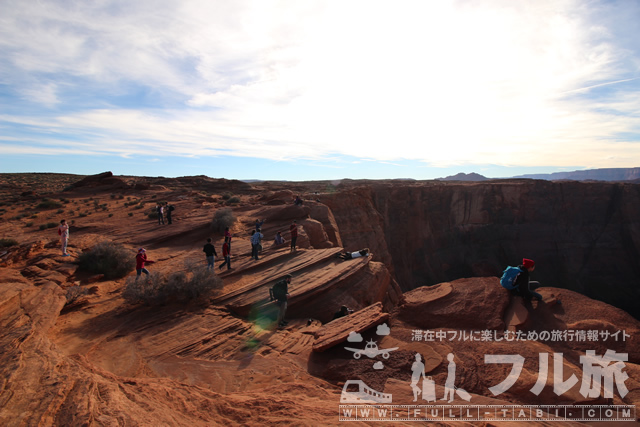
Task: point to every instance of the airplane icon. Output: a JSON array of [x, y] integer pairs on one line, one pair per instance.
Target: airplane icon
[[371, 350]]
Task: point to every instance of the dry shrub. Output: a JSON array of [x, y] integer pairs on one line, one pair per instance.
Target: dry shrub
[[197, 283], [222, 219], [108, 258]]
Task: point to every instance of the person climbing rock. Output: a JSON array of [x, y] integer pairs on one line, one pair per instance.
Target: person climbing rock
[[523, 286], [141, 260]]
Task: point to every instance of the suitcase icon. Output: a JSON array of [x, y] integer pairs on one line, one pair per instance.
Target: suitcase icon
[[428, 389]]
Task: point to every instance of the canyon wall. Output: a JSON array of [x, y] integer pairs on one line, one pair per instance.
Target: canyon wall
[[583, 236]]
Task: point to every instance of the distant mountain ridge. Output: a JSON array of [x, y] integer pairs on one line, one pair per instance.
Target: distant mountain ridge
[[464, 177], [609, 174]]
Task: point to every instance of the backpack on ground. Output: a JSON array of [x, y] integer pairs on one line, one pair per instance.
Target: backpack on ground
[[171, 208], [509, 276]]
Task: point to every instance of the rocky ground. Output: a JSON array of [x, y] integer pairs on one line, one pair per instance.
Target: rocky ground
[[76, 353]]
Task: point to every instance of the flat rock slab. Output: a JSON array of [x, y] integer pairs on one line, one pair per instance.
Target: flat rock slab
[[516, 314], [429, 293], [337, 331]]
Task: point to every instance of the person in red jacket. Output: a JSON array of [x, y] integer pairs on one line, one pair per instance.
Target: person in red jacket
[[141, 260], [226, 254]]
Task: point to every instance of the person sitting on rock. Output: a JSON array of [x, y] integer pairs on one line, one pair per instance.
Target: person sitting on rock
[[344, 311], [279, 240], [351, 255], [523, 286], [298, 201]]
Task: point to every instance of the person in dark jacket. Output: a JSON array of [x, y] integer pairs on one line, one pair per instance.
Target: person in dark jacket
[[210, 252], [523, 285], [281, 295]]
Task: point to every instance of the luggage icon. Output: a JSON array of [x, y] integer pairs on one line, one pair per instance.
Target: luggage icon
[[428, 389]]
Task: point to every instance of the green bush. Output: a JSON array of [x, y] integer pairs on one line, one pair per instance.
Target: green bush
[[48, 204], [222, 219], [232, 200], [111, 259], [180, 286], [5, 243]]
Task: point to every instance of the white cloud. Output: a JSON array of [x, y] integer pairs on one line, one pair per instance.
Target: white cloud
[[448, 83]]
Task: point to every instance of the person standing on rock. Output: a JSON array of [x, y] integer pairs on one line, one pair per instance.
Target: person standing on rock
[[523, 286], [281, 295], [256, 237], [293, 229], [63, 232], [141, 260], [228, 236], [259, 224], [210, 252], [160, 212], [226, 254], [169, 210]]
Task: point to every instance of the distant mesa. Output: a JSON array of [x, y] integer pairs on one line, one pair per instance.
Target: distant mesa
[[464, 177], [104, 179], [608, 174]]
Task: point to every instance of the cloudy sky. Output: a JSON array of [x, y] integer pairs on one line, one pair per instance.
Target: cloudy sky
[[304, 89]]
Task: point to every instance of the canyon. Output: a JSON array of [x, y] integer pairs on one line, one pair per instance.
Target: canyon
[[438, 249]]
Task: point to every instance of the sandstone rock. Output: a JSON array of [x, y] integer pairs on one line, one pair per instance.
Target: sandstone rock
[[465, 304], [337, 331], [316, 234]]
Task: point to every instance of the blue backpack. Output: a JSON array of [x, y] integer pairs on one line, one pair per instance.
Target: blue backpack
[[509, 276]]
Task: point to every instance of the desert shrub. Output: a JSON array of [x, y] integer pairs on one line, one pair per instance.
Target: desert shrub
[[110, 215], [59, 211], [82, 214], [5, 243], [232, 200], [74, 292], [130, 213], [48, 225], [48, 204], [29, 224], [111, 259], [226, 196], [222, 219], [155, 289]]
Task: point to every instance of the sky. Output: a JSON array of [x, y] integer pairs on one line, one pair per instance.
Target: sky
[[312, 90]]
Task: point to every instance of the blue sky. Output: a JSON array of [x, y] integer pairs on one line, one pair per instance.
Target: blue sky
[[304, 90]]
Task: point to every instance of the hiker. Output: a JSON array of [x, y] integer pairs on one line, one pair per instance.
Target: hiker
[[293, 229], [351, 255], [281, 293], [159, 210], [170, 209], [227, 236], [417, 372], [141, 260], [279, 240], [226, 254], [259, 224], [344, 311], [210, 252], [63, 232], [298, 201], [523, 286], [256, 237]]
